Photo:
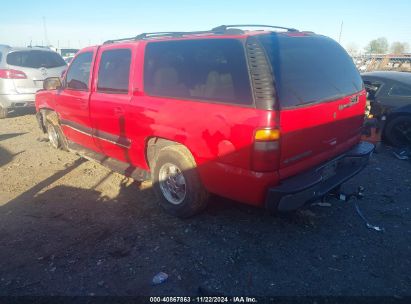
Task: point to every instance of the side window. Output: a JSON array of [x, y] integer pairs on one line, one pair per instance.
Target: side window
[[114, 71], [78, 75], [400, 91], [212, 69]]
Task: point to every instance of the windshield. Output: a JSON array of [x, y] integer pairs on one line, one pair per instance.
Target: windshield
[[35, 59], [310, 69]]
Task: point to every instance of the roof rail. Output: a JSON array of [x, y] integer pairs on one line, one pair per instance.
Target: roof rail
[[217, 30], [118, 40], [223, 28], [157, 34]]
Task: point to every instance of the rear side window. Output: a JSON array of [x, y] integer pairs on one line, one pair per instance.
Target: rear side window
[[400, 91], [114, 71], [35, 59], [310, 69], [212, 69], [78, 75]]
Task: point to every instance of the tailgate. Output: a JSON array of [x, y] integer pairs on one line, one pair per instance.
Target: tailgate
[[37, 65], [321, 98], [35, 78], [314, 134]]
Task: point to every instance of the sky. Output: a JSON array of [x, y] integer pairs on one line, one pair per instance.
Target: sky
[[78, 24]]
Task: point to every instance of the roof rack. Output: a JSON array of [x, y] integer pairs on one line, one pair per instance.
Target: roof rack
[[158, 34], [223, 28], [217, 30]]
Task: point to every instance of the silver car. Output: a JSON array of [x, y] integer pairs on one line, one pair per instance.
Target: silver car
[[22, 72]]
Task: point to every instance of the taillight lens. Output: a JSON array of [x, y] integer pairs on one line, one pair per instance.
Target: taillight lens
[[266, 153], [12, 74]]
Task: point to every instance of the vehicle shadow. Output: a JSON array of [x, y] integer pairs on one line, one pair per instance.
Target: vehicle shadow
[[10, 135], [5, 155], [22, 112], [72, 241]]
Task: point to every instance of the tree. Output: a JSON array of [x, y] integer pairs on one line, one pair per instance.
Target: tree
[[352, 49], [399, 47], [377, 46]]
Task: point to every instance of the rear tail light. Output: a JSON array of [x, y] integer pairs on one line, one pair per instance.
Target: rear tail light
[[266, 152], [12, 74]]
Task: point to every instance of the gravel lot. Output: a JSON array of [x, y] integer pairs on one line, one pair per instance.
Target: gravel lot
[[71, 227]]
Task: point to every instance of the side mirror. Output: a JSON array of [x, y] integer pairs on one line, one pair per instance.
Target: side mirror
[[52, 83]]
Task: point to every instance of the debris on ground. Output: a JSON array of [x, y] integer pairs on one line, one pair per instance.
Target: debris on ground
[[322, 204], [402, 153], [367, 223], [160, 278]]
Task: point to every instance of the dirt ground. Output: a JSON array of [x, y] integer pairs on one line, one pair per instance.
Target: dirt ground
[[71, 227]]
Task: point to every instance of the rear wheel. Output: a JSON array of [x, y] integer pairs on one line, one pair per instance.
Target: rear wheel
[[177, 183], [398, 131], [3, 112]]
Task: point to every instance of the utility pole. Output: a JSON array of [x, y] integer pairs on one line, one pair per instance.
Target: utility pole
[[341, 29], [45, 31]]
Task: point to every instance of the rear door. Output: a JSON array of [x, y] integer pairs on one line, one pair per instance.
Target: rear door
[[110, 99], [37, 65], [72, 102], [321, 98]]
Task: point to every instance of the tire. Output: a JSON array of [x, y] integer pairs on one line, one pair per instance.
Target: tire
[[4, 112], [175, 169], [56, 137], [398, 131]]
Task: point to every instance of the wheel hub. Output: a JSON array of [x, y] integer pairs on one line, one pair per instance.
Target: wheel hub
[[53, 136], [172, 183]]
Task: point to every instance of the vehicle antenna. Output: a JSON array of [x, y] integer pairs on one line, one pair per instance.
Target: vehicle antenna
[[341, 29], [45, 31]]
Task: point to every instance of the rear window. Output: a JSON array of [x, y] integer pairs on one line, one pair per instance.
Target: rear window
[[35, 59], [310, 69], [212, 69]]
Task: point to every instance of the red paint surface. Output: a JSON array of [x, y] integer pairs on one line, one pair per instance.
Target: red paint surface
[[220, 137]]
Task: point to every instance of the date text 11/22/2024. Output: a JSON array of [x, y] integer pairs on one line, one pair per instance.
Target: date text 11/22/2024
[[203, 300]]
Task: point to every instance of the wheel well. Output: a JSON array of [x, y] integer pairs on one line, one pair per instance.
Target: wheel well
[[45, 114], [154, 145]]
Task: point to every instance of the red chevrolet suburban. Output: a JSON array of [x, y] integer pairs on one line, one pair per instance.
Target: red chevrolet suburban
[[266, 117]]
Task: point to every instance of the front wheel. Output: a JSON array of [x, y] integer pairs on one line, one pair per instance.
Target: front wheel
[[55, 136], [398, 131], [177, 183]]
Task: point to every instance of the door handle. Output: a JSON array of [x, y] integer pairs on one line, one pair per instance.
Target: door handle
[[118, 111], [82, 103]]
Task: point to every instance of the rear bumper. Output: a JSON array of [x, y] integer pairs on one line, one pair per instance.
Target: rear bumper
[[296, 191], [13, 101]]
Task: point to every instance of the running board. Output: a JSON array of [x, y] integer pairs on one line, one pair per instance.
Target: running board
[[120, 167]]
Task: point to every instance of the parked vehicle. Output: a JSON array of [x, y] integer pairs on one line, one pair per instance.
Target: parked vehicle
[[22, 71], [390, 100], [68, 60], [266, 118]]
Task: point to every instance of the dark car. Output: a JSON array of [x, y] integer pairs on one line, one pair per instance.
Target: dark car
[[390, 99]]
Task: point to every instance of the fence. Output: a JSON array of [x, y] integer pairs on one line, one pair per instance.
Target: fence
[[368, 63]]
